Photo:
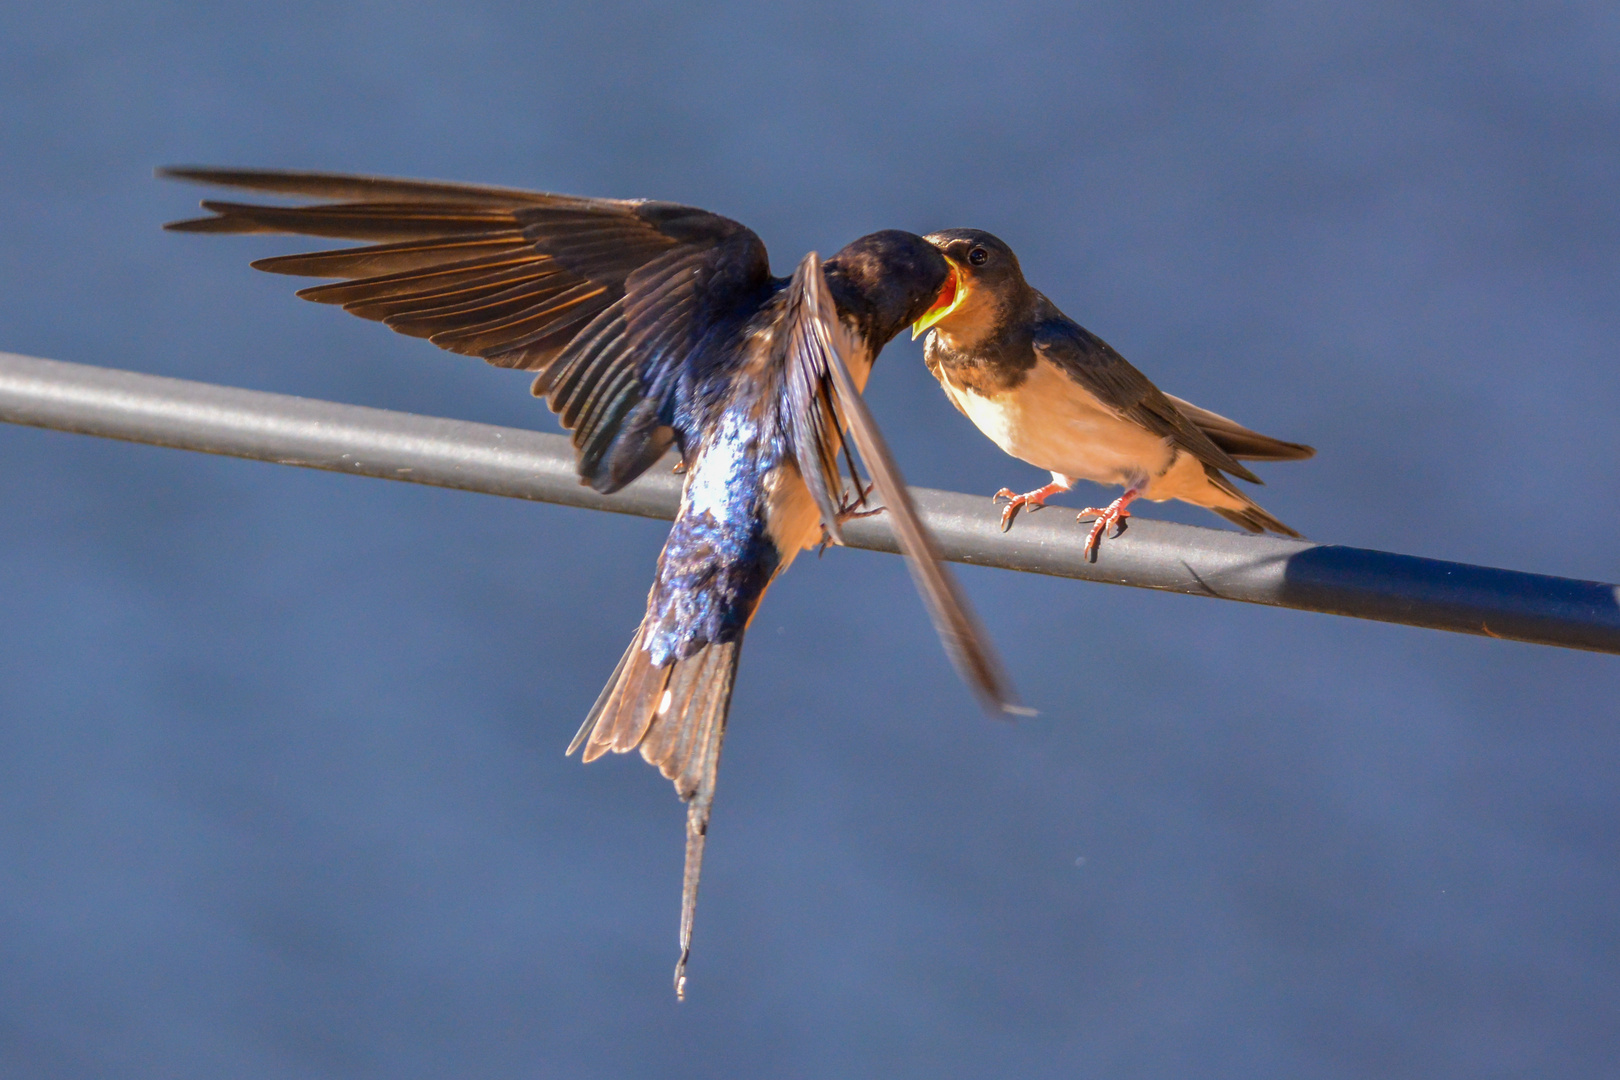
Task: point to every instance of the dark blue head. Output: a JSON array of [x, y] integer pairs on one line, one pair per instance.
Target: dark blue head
[[885, 281]]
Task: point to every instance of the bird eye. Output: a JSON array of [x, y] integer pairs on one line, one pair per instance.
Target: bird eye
[[977, 256]]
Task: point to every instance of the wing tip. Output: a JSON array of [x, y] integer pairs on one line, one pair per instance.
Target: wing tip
[[219, 224], [221, 176], [211, 175], [1242, 472], [1279, 451], [191, 225], [227, 217]]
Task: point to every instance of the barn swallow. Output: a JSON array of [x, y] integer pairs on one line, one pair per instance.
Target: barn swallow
[[652, 325], [1048, 391]]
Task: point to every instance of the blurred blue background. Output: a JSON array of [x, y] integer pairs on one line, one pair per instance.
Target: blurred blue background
[[282, 791]]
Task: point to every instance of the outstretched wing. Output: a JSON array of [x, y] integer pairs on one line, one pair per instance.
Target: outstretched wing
[[606, 299], [821, 398]]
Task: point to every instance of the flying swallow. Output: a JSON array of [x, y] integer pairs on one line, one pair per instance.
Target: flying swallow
[[652, 325], [1050, 392]]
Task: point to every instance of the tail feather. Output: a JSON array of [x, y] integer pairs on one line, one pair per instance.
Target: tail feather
[[628, 705], [676, 714], [1250, 515], [700, 694], [1255, 519], [591, 717]]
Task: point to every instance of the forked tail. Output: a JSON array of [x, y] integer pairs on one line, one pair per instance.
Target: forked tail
[[676, 714]]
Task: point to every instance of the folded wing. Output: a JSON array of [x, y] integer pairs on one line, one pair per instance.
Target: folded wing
[[1239, 441], [1109, 377], [821, 398]]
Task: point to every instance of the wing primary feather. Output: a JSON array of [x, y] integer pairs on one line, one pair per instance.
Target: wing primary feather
[[382, 259], [324, 185], [587, 415], [964, 638], [424, 281], [347, 221], [839, 427], [593, 343], [807, 420], [496, 332], [1103, 372], [483, 299], [451, 299], [552, 334]]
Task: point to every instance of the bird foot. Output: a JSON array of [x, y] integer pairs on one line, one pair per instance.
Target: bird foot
[[1032, 499], [847, 512], [1112, 514]]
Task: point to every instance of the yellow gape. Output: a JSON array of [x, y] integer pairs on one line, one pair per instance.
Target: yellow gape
[[950, 298]]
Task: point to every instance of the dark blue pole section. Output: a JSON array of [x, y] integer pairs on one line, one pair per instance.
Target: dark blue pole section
[[530, 465], [1454, 596]]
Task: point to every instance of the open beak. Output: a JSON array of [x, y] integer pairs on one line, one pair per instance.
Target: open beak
[[950, 298]]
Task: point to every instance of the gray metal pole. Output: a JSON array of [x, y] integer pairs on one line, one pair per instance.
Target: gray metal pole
[[531, 465]]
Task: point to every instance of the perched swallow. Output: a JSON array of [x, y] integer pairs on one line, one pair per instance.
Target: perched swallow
[[1048, 391], [651, 325]]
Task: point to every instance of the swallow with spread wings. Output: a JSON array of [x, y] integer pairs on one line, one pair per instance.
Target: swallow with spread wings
[[651, 325]]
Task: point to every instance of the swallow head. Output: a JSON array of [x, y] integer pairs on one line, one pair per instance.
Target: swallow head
[[886, 280], [984, 285]]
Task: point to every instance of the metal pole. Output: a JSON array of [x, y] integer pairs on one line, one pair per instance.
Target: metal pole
[[531, 465]]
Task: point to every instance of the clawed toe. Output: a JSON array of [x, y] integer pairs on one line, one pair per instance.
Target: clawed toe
[[1105, 517], [847, 513], [1113, 514], [846, 508], [1033, 500]]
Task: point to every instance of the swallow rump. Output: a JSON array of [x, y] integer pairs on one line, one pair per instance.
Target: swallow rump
[[651, 325], [1047, 390]]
